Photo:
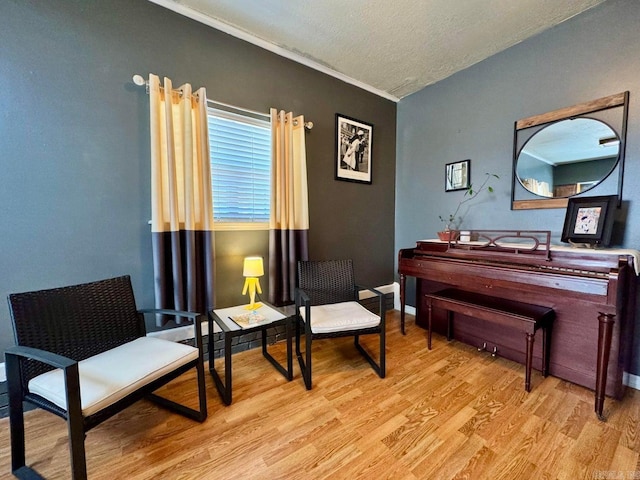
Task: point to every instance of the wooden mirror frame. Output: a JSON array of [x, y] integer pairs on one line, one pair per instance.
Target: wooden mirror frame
[[604, 103]]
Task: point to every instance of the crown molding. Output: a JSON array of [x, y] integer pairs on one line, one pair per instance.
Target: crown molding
[[247, 37]]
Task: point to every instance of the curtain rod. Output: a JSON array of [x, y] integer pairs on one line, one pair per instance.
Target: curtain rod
[[233, 107], [140, 81]]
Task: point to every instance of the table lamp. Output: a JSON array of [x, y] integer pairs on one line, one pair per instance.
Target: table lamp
[[253, 268]]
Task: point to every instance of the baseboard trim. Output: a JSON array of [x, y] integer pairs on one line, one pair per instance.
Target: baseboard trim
[[410, 310], [631, 380], [396, 300]]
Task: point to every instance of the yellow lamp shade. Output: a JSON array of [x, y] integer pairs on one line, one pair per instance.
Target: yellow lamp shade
[[253, 267]]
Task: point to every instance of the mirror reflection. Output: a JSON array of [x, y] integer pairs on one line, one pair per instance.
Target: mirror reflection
[[568, 157]]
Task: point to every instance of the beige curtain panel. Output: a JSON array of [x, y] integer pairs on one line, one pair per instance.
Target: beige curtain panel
[[181, 197], [289, 220]]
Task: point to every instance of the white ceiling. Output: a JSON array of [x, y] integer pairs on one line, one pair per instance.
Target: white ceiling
[[390, 47]]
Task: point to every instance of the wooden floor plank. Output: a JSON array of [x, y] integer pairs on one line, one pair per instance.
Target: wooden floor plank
[[447, 413]]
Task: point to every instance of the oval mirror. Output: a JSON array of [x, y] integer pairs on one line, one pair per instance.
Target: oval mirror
[[568, 157]]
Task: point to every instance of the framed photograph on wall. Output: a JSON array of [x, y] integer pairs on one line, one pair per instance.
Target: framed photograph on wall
[[589, 220], [353, 150], [457, 176]]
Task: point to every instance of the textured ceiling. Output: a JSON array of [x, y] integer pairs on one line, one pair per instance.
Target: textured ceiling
[[390, 47]]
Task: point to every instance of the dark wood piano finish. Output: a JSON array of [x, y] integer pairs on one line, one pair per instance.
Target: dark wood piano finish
[[592, 293]]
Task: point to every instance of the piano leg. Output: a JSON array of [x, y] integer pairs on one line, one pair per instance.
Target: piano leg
[[605, 330], [546, 343], [528, 361], [403, 284], [429, 312]]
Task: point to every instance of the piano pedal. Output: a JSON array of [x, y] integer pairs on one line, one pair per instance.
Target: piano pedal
[[483, 347], [495, 352]]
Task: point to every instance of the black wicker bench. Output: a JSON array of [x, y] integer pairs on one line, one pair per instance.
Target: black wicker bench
[[82, 353], [522, 317]]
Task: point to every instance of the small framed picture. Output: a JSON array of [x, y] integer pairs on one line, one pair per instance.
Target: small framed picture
[[589, 220], [353, 152], [457, 176]]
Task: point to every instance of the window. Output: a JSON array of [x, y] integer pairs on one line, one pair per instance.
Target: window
[[240, 148]]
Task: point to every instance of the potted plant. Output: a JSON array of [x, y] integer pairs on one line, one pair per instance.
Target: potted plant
[[452, 221]]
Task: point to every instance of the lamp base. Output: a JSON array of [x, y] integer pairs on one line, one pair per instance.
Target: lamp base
[[253, 306]]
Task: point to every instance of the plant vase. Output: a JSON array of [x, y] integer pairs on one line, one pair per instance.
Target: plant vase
[[448, 235]]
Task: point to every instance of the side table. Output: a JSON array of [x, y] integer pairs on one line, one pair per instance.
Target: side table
[[223, 317]]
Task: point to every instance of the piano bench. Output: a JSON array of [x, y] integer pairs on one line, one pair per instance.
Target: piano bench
[[523, 317]]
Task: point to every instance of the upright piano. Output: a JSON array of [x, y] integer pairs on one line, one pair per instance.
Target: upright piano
[[592, 292]]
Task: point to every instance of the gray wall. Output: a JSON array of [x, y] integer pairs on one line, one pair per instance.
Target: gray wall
[[74, 146], [471, 115]]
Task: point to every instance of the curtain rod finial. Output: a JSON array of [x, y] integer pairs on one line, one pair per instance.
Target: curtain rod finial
[[138, 80]]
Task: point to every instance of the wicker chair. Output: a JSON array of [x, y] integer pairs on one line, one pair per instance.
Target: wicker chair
[[82, 353], [327, 307]]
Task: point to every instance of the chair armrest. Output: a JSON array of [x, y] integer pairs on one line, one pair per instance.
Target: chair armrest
[[301, 296], [69, 371], [49, 358], [303, 300], [381, 301], [372, 290]]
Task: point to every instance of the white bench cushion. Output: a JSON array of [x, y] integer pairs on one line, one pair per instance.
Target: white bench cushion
[[340, 317], [112, 375]]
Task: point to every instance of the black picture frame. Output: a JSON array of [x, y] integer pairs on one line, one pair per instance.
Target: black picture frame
[[457, 176], [354, 144], [589, 220]]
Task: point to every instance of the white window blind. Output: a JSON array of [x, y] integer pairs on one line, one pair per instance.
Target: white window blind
[[240, 147]]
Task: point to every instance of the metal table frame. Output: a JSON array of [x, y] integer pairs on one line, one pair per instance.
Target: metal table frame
[[231, 329]]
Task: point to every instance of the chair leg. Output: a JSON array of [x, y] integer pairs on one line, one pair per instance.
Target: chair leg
[[305, 365], [383, 357], [75, 425], [298, 351], [16, 426], [76, 441], [199, 415], [307, 377], [380, 366], [202, 392], [16, 413]]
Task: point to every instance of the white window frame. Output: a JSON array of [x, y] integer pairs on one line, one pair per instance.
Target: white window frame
[[251, 118]]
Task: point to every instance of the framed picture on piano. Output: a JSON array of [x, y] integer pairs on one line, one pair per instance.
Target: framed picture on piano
[[589, 220]]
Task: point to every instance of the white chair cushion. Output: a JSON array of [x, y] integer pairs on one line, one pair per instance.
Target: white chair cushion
[[112, 375], [340, 317]]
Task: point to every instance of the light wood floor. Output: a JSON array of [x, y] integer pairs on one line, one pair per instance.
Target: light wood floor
[[451, 412]]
